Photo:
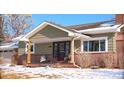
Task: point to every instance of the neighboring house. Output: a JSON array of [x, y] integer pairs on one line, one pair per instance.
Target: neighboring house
[[97, 44], [8, 48]]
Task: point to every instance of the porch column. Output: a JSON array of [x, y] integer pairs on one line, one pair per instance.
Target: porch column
[[29, 52], [72, 51], [82, 47]]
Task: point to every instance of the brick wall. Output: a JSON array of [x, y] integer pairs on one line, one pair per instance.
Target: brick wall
[[35, 58], [119, 18], [102, 60], [120, 52]]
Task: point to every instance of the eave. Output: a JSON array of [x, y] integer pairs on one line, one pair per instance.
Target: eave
[[101, 30]]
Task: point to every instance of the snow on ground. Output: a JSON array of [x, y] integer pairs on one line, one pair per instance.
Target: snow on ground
[[66, 73]]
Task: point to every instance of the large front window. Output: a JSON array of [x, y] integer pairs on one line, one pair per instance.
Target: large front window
[[95, 45]]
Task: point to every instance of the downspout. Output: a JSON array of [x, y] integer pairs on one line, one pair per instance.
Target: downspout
[[72, 51], [74, 36]]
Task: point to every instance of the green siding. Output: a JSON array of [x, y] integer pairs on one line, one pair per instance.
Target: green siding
[[111, 40], [45, 48], [21, 48], [49, 32]]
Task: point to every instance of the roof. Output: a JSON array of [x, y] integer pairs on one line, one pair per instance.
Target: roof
[[64, 27], [70, 32], [74, 30], [12, 44], [9, 46], [17, 38], [98, 30], [89, 25]]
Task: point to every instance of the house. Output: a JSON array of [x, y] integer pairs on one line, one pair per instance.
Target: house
[[8, 48], [96, 44]]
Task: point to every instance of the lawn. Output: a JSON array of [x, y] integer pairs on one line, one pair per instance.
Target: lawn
[[22, 72]]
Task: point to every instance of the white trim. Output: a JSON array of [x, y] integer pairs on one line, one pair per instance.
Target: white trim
[[35, 30], [119, 28], [26, 50], [43, 25], [99, 30], [17, 38], [99, 45], [106, 42], [97, 38], [96, 52], [82, 45], [59, 28]]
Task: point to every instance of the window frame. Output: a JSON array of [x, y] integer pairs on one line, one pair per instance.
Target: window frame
[[93, 39], [26, 49]]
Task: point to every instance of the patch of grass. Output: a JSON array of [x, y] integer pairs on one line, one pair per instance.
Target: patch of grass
[[53, 76], [13, 75], [5, 75]]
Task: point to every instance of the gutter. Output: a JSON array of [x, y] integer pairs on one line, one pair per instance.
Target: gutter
[[119, 27]]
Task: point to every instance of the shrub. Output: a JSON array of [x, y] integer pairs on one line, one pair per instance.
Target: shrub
[[108, 60]]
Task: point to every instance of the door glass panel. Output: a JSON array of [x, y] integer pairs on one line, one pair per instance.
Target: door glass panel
[[61, 47]]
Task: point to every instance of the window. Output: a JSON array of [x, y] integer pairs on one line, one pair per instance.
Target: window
[[95, 45], [32, 48]]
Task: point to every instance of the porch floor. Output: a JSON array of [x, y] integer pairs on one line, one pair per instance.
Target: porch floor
[[54, 65]]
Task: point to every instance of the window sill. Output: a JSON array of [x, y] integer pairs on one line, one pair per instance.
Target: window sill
[[31, 52], [96, 52]]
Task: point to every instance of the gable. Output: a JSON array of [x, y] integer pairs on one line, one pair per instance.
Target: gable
[[49, 32]]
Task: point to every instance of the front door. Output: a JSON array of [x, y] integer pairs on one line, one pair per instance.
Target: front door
[[61, 50]]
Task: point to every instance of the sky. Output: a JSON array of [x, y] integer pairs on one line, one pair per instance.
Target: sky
[[70, 19]]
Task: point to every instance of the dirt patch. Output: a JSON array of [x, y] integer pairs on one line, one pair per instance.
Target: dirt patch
[[6, 75], [12, 75]]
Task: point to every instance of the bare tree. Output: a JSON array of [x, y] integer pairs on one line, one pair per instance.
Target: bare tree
[[1, 30], [17, 24]]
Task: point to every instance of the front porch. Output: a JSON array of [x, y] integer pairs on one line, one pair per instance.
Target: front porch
[[52, 44], [49, 53], [54, 53]]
